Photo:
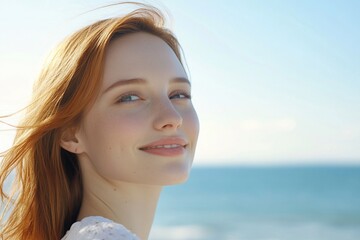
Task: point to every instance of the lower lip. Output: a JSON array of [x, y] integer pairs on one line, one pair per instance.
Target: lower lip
[[167, 152]]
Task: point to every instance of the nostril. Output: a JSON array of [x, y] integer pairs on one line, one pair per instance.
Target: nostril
[[169, 124], [172, 125], [167, 116]]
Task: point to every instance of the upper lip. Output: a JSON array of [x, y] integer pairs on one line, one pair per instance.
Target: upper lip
[[166, 141]]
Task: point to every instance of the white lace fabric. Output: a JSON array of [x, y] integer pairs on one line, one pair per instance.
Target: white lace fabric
[[98, 228]]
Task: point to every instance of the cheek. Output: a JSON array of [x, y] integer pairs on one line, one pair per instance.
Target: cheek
[[110, 140], [115, 128], [191, 124], [127, 128]]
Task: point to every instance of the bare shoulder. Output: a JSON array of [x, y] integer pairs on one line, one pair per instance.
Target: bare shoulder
[[98, 228]]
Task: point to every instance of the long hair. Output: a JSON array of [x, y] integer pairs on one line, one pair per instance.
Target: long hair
[[47, 191]]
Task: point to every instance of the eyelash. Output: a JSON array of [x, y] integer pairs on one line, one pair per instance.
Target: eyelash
[[121, 98], [185, 95], [172, 96]]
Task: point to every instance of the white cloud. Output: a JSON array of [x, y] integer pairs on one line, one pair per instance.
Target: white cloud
[[249, 138], [281, 140]]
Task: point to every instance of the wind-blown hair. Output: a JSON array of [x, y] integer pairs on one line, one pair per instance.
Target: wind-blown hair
[[46, 194]]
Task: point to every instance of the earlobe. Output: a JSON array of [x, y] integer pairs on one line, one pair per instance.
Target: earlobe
[[69, 141]]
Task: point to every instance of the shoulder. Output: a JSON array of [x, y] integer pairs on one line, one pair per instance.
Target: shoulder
[[98, 228]]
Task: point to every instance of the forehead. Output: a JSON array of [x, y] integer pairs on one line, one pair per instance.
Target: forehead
[[140, 55]]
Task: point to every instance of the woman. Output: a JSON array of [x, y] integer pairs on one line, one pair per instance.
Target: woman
[[110, 122]]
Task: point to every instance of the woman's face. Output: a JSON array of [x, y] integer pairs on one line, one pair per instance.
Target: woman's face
[[142, 127]]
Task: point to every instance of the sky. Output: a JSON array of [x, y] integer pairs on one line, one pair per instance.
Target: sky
[[274, 82]]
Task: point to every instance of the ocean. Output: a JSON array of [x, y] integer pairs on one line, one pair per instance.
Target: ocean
[[262, 203]]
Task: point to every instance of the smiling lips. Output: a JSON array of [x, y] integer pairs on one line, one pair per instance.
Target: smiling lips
[[166, 147]]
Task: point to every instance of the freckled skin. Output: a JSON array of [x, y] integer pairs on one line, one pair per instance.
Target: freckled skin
[[112, 132]]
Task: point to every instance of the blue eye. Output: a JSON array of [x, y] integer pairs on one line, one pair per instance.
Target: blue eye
[[129, 98], [180, 95]]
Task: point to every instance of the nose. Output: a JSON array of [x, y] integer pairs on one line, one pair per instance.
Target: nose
[[167, 117]]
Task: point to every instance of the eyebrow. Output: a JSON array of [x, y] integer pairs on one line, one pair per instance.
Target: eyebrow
[[140, 81]]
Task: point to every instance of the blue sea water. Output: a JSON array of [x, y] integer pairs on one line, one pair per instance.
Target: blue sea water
[[262, 203]]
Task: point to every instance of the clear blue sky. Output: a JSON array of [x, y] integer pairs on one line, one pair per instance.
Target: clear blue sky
[[273, 81]]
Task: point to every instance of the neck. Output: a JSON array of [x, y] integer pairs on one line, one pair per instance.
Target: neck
[[130, 204]]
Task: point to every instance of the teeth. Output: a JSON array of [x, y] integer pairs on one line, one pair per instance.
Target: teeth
[[171, 146], [165, 146]]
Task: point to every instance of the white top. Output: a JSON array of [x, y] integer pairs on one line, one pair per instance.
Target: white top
[[98, 228]]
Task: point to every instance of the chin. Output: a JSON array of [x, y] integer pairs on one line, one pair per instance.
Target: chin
[[177, 174]]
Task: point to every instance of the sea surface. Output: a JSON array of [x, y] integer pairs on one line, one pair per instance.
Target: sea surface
[[262, 203]]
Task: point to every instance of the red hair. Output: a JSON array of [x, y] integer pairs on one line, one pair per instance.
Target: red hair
[[47, 191]]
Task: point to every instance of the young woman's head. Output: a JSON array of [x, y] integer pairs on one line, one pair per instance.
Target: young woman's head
[[112, 102]]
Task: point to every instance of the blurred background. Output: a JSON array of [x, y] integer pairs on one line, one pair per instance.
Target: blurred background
[[276, 85]]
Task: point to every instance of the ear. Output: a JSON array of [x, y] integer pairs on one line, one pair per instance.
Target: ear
[[69, 140]]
